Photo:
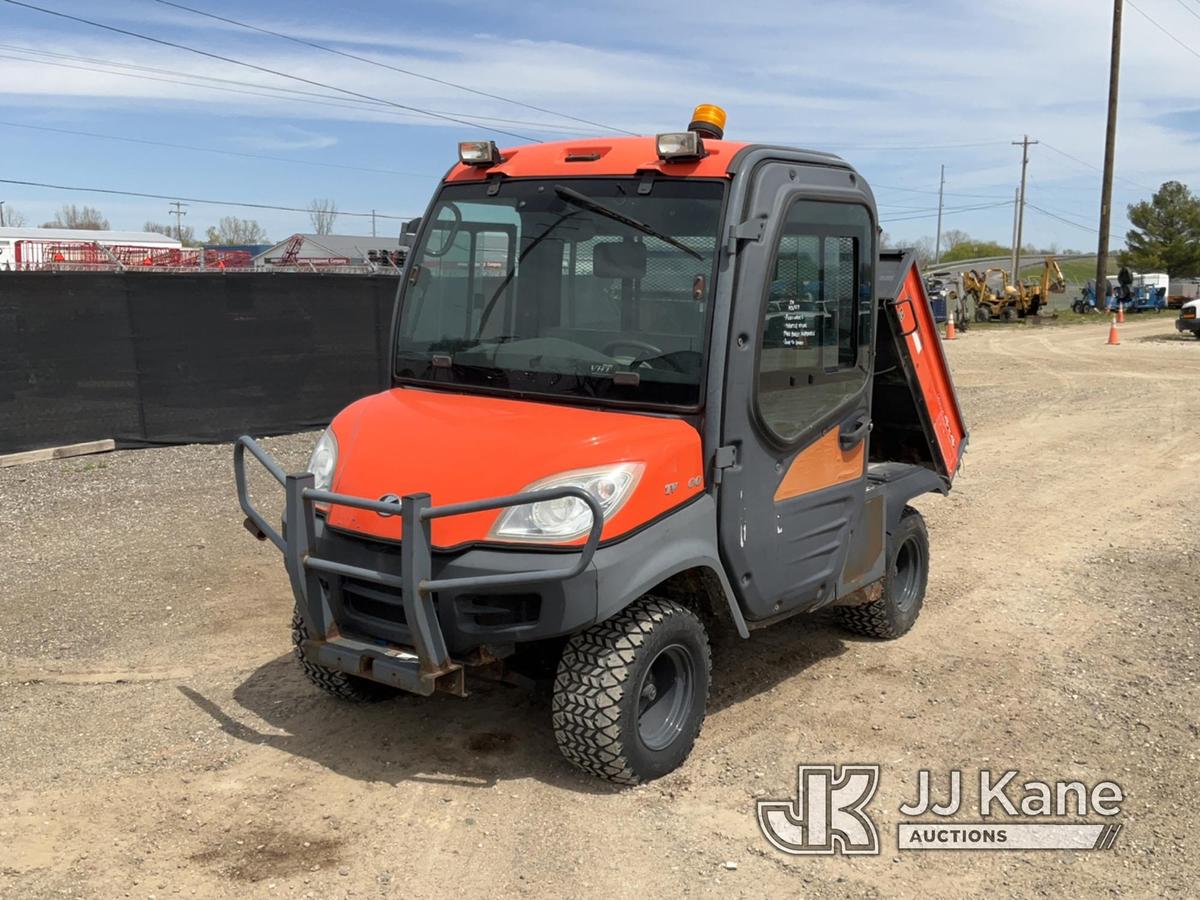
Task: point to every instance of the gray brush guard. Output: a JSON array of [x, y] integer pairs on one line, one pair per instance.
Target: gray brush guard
[[427, 666]]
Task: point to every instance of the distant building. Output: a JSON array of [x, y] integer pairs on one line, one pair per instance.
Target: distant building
[[26, 249], [323, 250]]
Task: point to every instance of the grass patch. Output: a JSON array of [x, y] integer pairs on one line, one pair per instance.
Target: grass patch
[[1076, 271]]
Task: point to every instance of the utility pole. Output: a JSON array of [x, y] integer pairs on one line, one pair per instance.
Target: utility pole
[[1, 213], [372, 223], [1016, 206], [937, 252], [1110, 152], [1016, 264], [178, 212]]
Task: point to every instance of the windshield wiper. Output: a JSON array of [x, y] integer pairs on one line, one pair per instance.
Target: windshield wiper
[[591, 205]]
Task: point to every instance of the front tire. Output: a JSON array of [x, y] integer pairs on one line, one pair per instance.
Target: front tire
[[350, 688], [631, 692], [904, 582]]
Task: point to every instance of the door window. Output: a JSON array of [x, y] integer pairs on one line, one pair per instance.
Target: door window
[[816, 329]]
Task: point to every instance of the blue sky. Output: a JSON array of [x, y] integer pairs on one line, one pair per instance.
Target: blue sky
[[898, 88]]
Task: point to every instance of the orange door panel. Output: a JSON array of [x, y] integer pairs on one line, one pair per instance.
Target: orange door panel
[[820, 465]]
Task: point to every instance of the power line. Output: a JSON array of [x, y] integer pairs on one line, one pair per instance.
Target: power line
[[901, 147], [1084, 162], [266, 69], [1066, 221], [284, 92], [948, 211], [1146, 16], [171, 146], [890, 187], [1188, 8], [176, 197], [374, 62]]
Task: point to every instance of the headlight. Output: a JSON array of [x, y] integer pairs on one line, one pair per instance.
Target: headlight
[[568, 518], [324, 460]]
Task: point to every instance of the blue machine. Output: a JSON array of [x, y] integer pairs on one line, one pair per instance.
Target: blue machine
[[1134, 297]]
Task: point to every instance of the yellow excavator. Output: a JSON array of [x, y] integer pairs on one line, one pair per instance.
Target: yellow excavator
[[995, 298]]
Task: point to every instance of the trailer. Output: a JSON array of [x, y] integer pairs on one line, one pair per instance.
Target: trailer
[[35, 249]]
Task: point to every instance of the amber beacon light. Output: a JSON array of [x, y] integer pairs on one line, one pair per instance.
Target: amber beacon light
[[709, 121]]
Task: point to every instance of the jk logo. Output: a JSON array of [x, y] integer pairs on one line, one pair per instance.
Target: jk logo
[[827, 815]]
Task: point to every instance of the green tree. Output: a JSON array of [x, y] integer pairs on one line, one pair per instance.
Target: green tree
[[1166, 233], [970, 249]]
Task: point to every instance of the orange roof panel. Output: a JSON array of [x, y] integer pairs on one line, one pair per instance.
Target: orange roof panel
[[599, 156]]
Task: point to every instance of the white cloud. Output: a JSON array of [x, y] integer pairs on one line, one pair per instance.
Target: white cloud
[[286, 137], [853, 76]]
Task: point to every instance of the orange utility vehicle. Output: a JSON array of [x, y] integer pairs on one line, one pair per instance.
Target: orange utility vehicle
[[640, 387]]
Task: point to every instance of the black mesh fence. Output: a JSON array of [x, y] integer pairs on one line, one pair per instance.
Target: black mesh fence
[[154, 358]]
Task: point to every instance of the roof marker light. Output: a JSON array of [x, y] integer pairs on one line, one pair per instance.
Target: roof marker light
[[478, 153]]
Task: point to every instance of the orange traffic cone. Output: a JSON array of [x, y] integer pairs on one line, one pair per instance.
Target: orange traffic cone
[[1120, 313], [1113, 340], [951, 334]]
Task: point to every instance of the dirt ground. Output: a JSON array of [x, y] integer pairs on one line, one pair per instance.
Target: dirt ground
[[157, 739]]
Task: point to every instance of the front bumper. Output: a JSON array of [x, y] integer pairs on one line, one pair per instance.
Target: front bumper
[[1192, 325], [469, 618], [370, 609]]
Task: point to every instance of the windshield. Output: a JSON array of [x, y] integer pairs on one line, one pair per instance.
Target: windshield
[[593, 288]]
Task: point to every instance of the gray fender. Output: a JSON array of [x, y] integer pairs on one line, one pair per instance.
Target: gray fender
[[900, 482], [685, 539]]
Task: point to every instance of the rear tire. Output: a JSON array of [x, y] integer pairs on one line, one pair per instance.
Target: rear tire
[[631, 692], [350, 688], [1010, 314], [982, 313], [904, 582]]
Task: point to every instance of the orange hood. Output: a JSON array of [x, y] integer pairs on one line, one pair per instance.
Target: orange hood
[[460, 447]]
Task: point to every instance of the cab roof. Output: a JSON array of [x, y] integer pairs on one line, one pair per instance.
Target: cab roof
[[600, 156]]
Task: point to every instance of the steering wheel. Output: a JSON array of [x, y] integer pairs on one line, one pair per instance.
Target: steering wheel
[[453, 228], [631, 343]]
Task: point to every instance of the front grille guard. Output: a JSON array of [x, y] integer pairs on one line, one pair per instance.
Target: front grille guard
[[415, 582]]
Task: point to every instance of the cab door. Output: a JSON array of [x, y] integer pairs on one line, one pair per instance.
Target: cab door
[[797, 389]]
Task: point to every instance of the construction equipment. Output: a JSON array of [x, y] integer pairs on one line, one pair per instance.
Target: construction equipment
[[642, 388], [990, 294], [1036, 294], [994, 297]]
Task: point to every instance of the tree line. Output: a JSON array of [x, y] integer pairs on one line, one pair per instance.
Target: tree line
[[228, 230]]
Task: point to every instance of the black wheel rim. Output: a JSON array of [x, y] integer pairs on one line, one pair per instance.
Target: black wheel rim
[[665, 697], [906, 580]]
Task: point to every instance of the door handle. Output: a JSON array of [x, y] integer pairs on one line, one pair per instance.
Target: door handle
[[852, 432]]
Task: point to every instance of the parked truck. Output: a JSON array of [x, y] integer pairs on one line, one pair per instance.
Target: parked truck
[[641, 388], [1188, 320]]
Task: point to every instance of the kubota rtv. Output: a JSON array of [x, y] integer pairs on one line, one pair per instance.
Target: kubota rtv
[[639, 387]]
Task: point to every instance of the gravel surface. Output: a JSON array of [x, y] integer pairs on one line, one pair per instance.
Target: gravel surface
[[158, 739]]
